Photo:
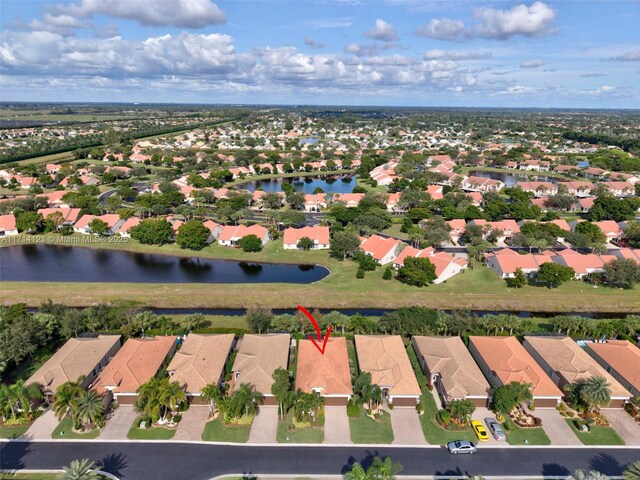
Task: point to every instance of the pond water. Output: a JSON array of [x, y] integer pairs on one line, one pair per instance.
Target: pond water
[[328, 183], [53, 263], [510, 179]]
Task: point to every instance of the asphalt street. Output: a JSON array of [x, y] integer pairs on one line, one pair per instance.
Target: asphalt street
[[176, 461]]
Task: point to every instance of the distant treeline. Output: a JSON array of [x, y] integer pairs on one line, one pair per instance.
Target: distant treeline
[[626, 143]]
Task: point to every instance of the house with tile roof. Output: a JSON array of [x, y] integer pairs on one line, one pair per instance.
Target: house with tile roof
[[112, 220], [137, 362], [503, 360], [230, 235], [447, 266], [349, 199], [386, 359], [481, 184], [69, 215], [382, 249], [8, 225], [327, 374], [200, 362], [451, 369], [505, 262], [129, 223], [257, 358], [79, 358], [566, 362], [315, 202], [621, 359], [318, 234]]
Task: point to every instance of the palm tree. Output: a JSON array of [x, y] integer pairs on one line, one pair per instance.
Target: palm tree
[[357, 472], [148, 402], [595, 392], [66, 396], [632, 472], [306, 406], [80, 470], [385, 469], [173, 397], [212, 393], [244, 401], [18, 398], [88, 409], [5, 402]]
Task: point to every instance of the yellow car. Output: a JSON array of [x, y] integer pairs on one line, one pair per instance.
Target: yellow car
[[479, 430]]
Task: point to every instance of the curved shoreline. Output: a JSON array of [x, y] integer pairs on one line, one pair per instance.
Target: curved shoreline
[[274, 176]]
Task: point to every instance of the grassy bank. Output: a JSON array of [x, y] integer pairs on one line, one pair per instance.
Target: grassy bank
[[477, 289]]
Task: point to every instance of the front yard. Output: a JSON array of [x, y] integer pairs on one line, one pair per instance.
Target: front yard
[[298, 435], [13, 431], [65, 430], [365, 429], [597, 435], [149, 433], [217, 431], [525, 436]]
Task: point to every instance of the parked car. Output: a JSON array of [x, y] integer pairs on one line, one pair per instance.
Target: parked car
[[479, 430], [461, 446], [495, 428]]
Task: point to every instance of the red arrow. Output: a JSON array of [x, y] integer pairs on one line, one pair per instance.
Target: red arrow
[[315, 325]]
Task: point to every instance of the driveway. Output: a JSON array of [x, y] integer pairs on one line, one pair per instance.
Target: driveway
[[119, 424], [556, 427], [192, 423], [406, 426], [480, 414], [622, 423], [265, 425], [336, 426], [43, 426]]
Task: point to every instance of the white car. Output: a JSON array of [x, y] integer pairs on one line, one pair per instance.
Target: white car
[[461, 446]]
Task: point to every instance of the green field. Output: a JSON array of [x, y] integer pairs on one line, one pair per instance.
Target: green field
[[65, 430], [597, 435], [475, 289], [217, 431]]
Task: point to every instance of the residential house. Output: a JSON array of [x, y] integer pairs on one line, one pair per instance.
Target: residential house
[[566, 362], [505, 262], [315, 202], [214, 228], [129, 223], [349, 199], [451, 369], [112, 220], [534, 165], [583, 264], [382, 249], [8, 225], [621, 359], [503, 360], [79, 359], [69, 215], [481, 184], [446, 265], [578, 189], [137, 362], [458, 226], [230, 235], [328, 374], [507, 228], [539, 189], [628, 253], [386, 359], [620, 189], [611, 229], [319, 235], [257, 358], [200, 362]]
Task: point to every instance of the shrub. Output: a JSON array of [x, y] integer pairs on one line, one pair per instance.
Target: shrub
[[532, 406], [444, 417], [360, 273], [250, 243]]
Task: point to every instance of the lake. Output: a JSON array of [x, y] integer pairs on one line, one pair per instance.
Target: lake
[[53, 263], [510, 179], [328, 183]]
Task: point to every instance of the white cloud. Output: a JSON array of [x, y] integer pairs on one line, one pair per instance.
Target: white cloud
[[382, 31], [312, 42], [362, 50], [322, 23], [178, 13], [593, 74], [442, 29], [455, 54], [535, 63], [603, 90], [633, 56], [524, 20]]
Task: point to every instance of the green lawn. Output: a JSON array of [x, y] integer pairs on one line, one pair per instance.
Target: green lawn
[[433, 432], [216, 431], [13, 431], [65, 430], [364, 429], [394, 231], [597, 435], [299, 435], [533, 436], [151, 433], [476, 289], [28, 476]]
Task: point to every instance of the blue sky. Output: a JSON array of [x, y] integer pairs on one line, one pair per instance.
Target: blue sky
[[578, 53]]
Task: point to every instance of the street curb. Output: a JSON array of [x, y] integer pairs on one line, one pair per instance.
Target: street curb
[[108, 475]]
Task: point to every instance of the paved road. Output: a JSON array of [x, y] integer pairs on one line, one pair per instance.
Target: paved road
[[177, 461], [102, 198]]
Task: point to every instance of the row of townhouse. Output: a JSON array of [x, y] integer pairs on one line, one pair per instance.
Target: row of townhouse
[[580, 189], [505, 261], [546, 363]]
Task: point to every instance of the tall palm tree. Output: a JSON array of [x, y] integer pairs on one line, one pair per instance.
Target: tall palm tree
[[66, 396], [632, 472], [385, 469], [595, 392], [148, 401], [88, 409], [307, 405], [80, 470], [173, 397], [19, 398], [244, 401], [357, 472], [212, 393]]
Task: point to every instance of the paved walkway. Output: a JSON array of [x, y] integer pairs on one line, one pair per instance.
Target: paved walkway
[[336, 425], [480, 414], [119, 424], [43, 426], [622, 423], [265, 425], [192, 423], [556, 427], [406, 426]]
